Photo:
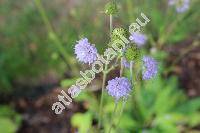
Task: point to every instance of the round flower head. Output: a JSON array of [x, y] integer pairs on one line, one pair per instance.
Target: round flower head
[[171, 2], [85, 52], [74, 90], [181, 5], [151, 68], [138, 38], [119, 87]]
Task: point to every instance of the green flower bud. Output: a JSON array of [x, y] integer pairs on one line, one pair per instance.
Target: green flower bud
[[111, 8], [133, 53], [115, 35], [118, 31]]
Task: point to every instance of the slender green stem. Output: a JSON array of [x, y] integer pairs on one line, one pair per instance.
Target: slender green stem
[[165, 35], [151, 39], [122, 67], [51, 32], [104, 80], [43, 15], [124, 101], [130, 7], [114, 66], [131, 72], [121, 112], [121, 73], [113, 114], [102, 96], [111, 23]]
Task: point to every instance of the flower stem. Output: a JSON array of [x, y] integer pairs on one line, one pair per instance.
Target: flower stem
[[116, 102], [124, 101], [122, 67], [52, 34], [165, 35], [114, 66], [104, 80], [113, 114], [121, 112], [111, 23], [102, 96], [131, 72]]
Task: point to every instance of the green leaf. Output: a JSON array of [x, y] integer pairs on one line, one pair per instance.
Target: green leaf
[[82, 121], [67, 82], [109, 107], [6, 111], [7, 125], [194, 119], [127, 122], [167, 123], [190, 106], [162, 97], [158, 22]]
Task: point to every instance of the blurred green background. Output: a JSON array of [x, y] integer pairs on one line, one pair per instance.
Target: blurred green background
[[37, 60]]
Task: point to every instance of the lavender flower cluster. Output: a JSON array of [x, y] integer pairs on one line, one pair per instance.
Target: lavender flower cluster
[[85, 52], [118, 87], [120, 47], [150, 67], [181, 5], [138, 38]]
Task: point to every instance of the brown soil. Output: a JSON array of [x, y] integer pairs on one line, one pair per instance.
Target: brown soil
[[186, 60], [39, 118]]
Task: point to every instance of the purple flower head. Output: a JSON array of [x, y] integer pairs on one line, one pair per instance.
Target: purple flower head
[[118, 87], [181, 5], [171, 2], [85, 52], [138, 38], [74, 90], [125, 63], [151, 68]]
